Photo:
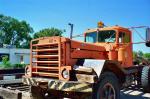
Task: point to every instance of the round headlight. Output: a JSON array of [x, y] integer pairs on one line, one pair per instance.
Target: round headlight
[[27, 71], [65, 73]]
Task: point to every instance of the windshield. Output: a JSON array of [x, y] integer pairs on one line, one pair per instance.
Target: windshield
[[107, 36], [91, 37], [103, 36]]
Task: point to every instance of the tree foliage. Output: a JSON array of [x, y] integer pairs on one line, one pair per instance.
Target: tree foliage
[[141, 58], [141, 54], [15, 32], [147, 55], [48, 32], [5, 62], [134, 54]]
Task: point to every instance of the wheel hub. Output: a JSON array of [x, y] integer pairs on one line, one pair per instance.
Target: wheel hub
[[108, 92]]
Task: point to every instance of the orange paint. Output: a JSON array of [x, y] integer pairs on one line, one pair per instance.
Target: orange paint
[[50, 55]]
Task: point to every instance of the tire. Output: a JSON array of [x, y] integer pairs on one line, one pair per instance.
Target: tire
[[145, 79], [108, 81]]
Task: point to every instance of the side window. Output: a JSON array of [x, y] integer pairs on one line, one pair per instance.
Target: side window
[[21, 59], [91, 37], [3, 55], [124, 37]]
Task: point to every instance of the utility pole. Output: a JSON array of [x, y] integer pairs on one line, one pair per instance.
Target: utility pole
[[71, 31]]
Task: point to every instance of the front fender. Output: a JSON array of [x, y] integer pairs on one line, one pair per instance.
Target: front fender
[[104, 65], [96, 64]]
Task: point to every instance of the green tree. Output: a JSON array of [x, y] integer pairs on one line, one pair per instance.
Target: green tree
[[140, 53], [147, 55], [134, 54], [48, 32], [14, 32], [141, 57]]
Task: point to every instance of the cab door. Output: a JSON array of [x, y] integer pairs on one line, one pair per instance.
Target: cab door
[[125, 44]]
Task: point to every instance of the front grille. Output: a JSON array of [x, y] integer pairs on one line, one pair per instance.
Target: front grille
[[46, 60]]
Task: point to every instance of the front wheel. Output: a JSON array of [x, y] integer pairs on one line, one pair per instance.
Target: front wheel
[[107, 87]]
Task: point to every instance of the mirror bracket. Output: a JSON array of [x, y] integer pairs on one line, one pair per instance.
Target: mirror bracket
[[147, 37]]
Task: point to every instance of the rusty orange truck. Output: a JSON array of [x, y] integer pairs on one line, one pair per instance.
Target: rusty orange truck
[[100, 66]]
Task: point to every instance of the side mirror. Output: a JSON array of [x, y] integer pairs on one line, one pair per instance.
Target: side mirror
[[148, 37]]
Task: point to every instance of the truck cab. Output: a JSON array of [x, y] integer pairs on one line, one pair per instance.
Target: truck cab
[[116, 40]]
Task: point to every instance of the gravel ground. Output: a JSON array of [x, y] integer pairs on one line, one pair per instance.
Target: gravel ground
[[130, 94], [134, 93], [125, 94]]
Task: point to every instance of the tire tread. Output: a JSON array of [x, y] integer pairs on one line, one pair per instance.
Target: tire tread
[[145, 79]]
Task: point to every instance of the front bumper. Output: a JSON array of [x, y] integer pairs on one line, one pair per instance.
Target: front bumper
[[68, 86], [34, 81], [58, 85]]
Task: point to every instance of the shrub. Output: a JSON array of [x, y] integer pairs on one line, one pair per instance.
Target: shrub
[[5, 62], [19, 65]]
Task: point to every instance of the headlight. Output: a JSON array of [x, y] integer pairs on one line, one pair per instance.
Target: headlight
[[65, 73], [27, 71]]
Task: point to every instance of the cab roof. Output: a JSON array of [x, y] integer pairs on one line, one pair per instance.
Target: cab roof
[[108, 28]]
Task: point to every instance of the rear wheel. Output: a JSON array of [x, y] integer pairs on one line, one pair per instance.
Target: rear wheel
[[145, 79], [108, 87]]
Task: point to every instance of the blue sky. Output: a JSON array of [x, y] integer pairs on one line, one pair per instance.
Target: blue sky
[[83, 14]]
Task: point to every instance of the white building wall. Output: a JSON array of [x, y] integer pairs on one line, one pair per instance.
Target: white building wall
[[13, 59], [4, 50], [15, 54], [27, 59]]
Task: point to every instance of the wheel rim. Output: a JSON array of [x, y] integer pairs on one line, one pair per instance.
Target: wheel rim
[[108, 92]]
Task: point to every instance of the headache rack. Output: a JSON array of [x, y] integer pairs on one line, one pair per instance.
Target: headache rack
[[46, 57]]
